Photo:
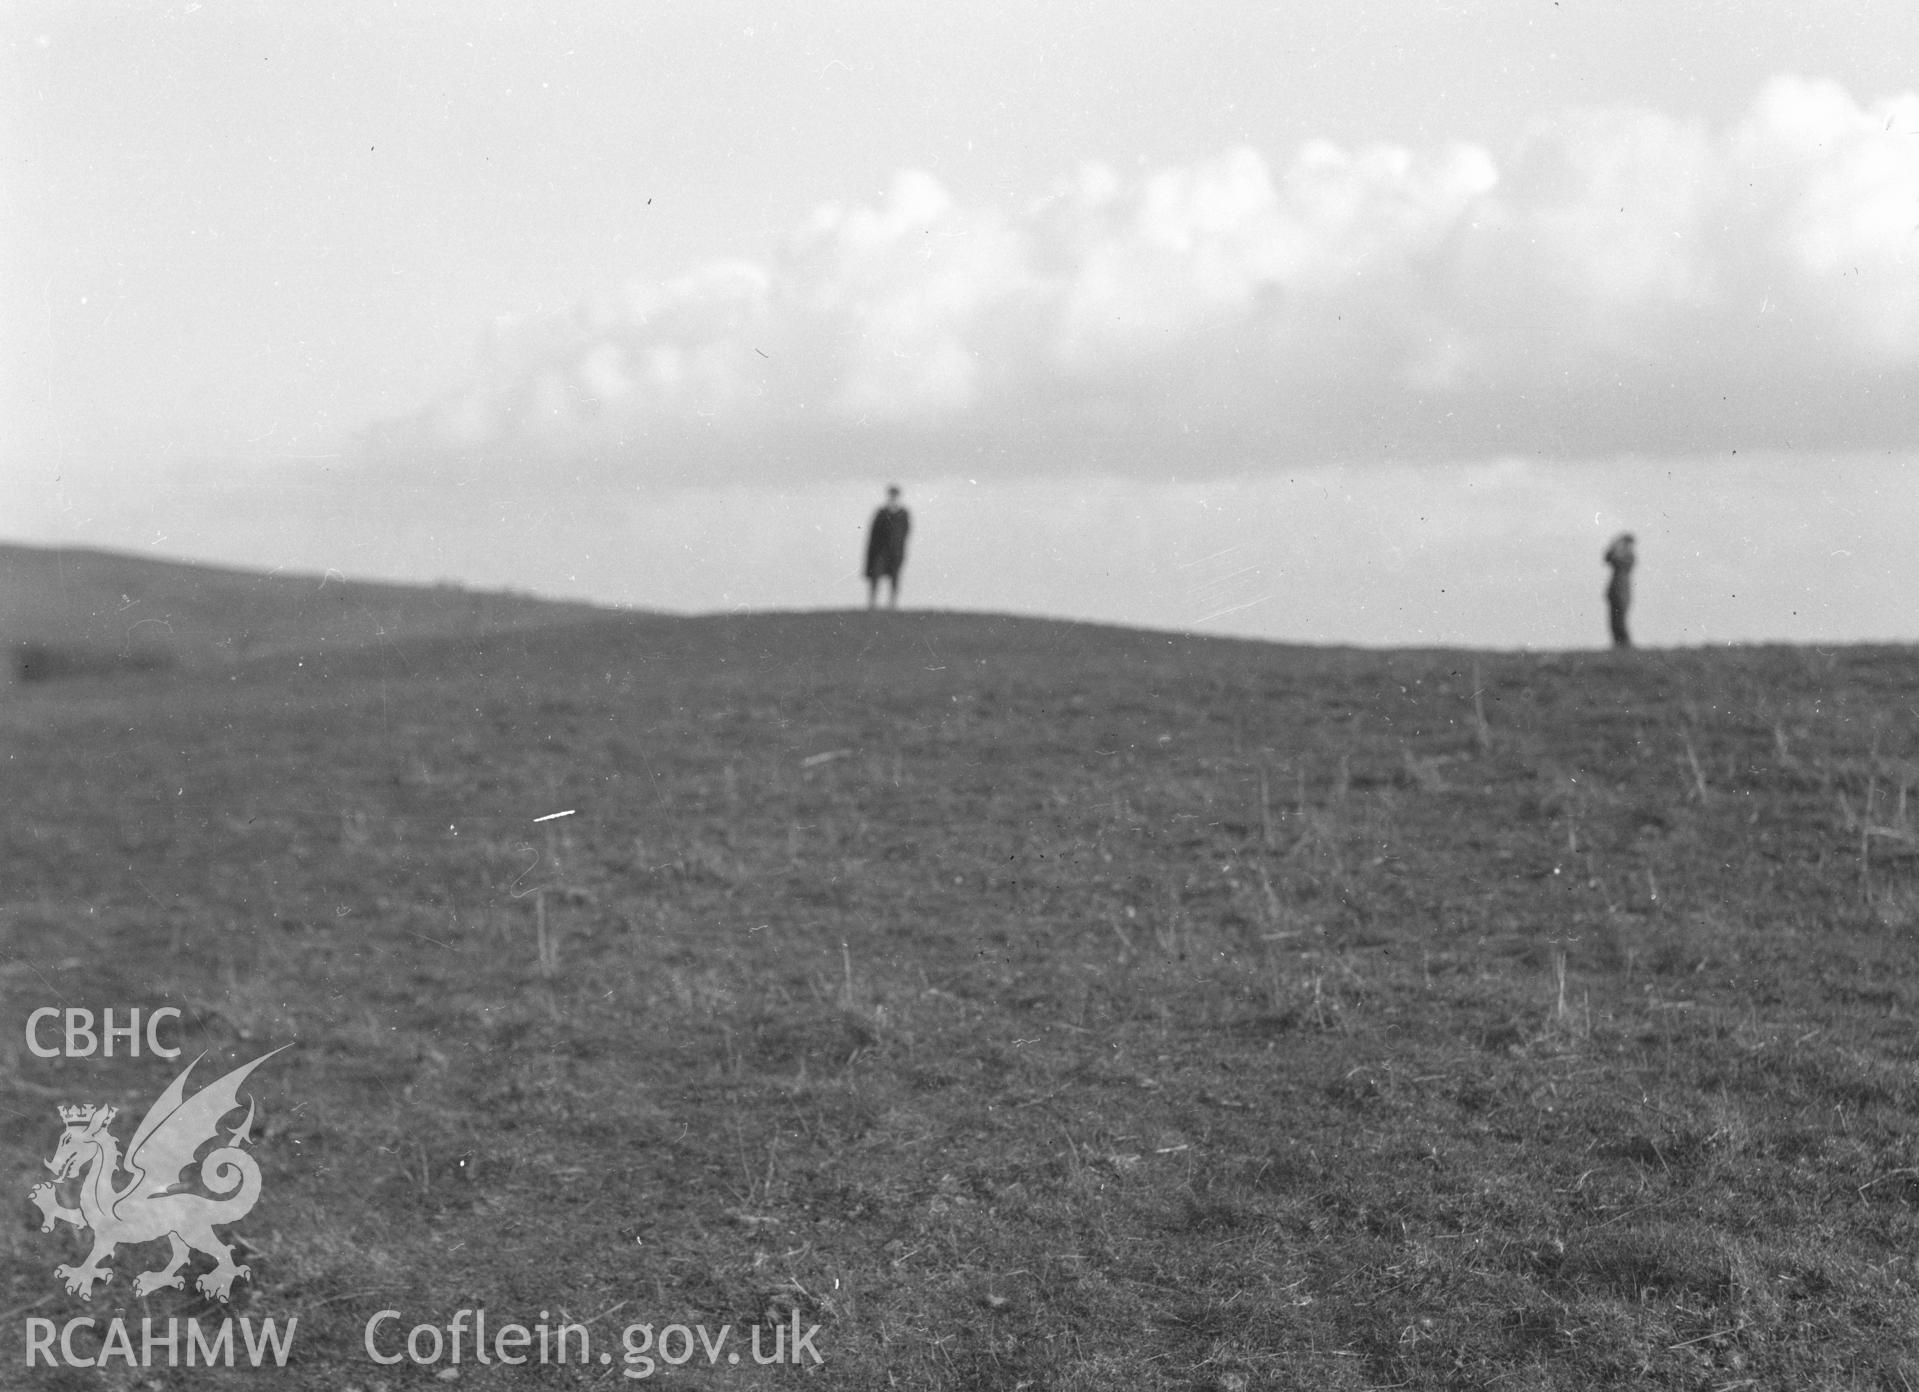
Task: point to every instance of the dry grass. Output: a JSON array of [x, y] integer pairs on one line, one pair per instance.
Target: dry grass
[[1028, 1005]]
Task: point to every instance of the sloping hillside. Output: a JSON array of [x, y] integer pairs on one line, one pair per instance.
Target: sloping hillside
[[1023, 1004], [65, 610]]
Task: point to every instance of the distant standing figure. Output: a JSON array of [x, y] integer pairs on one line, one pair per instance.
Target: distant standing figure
[[1619, 589], [886, 549]]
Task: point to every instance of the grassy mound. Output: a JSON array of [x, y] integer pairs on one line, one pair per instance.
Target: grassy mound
[[71, 612], [1025, 1004]]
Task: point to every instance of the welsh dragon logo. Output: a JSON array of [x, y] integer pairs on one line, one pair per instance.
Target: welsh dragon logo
[[151, 1204]]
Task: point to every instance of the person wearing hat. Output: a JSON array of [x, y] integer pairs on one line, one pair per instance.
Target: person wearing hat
[[1620, 557]]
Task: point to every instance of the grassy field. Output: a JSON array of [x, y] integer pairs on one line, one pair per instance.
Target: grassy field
[[1026, 1004], [75, 612]]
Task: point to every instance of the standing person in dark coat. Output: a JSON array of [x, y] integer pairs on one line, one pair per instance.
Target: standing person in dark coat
[[886, 549], [1619, 589]]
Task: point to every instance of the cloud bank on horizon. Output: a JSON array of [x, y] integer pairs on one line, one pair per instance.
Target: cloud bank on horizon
[[1628, 282]]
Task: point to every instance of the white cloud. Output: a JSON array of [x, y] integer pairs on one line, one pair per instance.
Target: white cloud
[[1629, 282]]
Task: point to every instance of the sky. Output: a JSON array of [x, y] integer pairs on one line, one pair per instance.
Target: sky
[[1370, 325]]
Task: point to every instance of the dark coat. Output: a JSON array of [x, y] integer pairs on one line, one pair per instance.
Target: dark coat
[[886, 543], [1621, 557]]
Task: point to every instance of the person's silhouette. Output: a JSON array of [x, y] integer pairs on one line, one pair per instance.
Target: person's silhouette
[[1620, 557], [886, 549]]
